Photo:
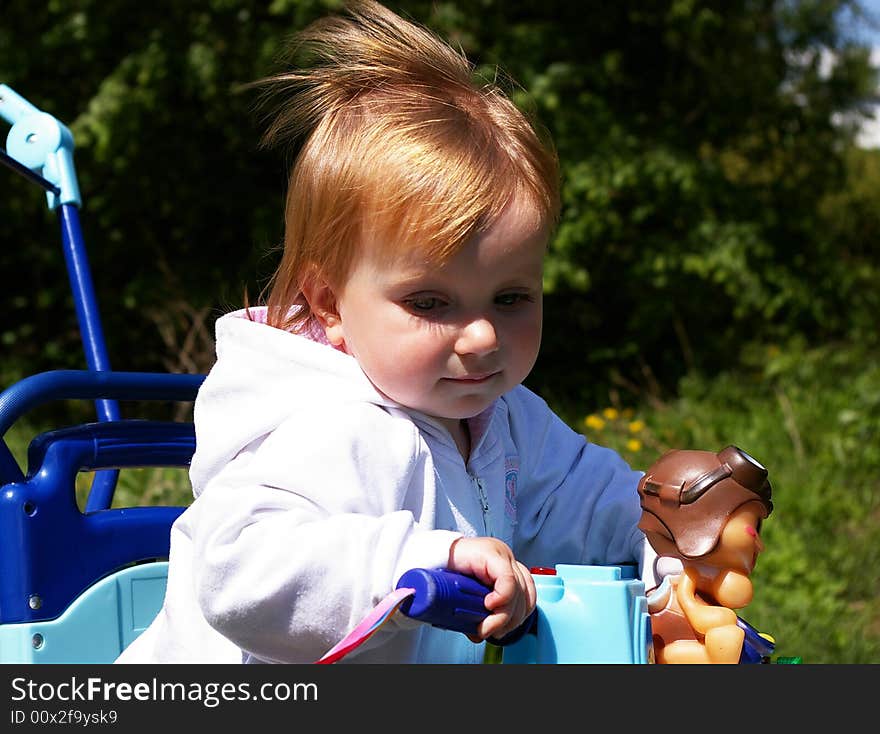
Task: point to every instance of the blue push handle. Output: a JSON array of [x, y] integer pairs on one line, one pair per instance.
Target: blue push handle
[[452, 601], [35, 390], [43, 387]]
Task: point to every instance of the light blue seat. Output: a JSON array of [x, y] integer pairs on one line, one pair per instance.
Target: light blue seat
[[99, 624]]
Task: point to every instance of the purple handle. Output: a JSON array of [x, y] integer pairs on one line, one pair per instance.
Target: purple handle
[[452, 601]]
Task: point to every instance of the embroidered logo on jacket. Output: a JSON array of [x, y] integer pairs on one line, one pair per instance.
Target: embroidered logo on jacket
[[511, 473]]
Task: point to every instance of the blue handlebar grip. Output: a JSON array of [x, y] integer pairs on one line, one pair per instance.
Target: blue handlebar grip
[[452, 601]]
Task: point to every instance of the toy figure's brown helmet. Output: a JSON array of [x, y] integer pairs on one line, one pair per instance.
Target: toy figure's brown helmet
[[687, 496]]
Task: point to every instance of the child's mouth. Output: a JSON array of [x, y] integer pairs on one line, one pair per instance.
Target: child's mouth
[[474, 379]]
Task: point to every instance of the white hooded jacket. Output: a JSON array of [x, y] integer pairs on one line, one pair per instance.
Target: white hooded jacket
[[314, 494]]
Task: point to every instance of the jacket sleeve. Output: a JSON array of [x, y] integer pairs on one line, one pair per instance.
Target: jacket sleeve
[[577, 502], [307, 529]]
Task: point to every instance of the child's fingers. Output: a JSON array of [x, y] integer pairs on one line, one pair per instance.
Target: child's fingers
[[497, 623], [529, 585], [517, 582], [492, 626], [483, 558], [510, 602], [512, 596], [503, 592], [502, 621]]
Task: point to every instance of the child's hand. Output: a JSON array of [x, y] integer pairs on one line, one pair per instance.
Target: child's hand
[[513, 595]]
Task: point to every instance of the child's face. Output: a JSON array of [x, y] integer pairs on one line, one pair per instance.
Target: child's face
[[448, 340]]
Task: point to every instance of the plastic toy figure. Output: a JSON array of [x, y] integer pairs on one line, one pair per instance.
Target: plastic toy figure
[[706, 510]]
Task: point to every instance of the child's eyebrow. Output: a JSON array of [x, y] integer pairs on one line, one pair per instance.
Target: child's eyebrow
[[416, 278]]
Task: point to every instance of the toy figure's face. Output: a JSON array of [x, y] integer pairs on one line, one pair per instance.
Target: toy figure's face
[[740, 542]]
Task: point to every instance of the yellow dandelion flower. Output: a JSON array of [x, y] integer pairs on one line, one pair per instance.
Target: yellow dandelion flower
[[636, 426], [634, 445], [595, 422], [610, 413]]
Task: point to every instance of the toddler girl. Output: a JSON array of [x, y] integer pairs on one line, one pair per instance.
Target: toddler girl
[[370, 418]]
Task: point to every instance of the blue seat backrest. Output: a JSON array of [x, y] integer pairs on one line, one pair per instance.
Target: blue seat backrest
[[52, 552]]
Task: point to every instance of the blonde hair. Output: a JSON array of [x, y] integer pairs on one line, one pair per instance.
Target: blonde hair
[[395, 139]]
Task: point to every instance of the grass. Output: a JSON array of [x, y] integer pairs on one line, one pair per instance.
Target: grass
[[811, 415]]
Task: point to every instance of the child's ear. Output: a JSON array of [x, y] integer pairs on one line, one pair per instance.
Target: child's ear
[[322, 301]]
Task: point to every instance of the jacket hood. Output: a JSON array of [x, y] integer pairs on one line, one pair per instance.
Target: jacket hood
[[262, 377]]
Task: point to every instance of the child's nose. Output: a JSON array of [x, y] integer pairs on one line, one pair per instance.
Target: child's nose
[[477, 336]]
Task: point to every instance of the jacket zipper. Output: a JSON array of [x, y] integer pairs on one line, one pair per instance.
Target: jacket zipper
[[484, 505]]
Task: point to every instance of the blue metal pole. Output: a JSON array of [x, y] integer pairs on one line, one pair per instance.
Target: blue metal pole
[[86, 303]]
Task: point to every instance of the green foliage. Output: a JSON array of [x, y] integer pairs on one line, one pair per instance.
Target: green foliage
[[705, 182], [850, 217], [153, 486]]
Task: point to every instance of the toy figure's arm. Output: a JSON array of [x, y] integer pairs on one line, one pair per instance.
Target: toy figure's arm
[[701, 616]]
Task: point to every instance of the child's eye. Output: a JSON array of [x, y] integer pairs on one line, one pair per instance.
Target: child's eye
[[512, 299], [424, 303]]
